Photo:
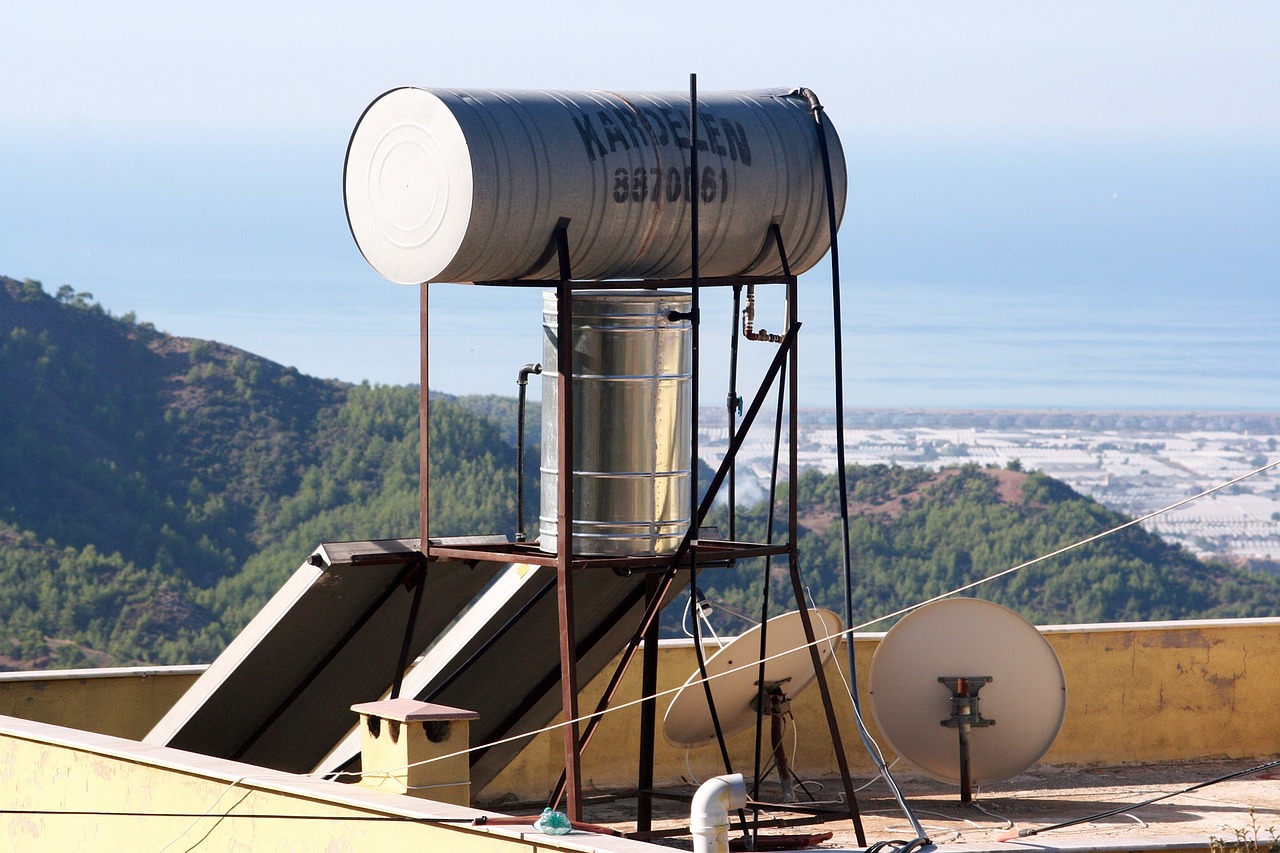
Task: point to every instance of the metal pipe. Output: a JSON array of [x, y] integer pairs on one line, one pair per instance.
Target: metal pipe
[[693, 431], [749, 320], [966, 783], [522, 380], [734, 403]]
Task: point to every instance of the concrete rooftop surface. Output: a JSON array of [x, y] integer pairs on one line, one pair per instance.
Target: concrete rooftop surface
[[1232, 812]]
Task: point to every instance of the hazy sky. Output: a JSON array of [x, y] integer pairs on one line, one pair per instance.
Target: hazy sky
[[903, 67], [184, 160]]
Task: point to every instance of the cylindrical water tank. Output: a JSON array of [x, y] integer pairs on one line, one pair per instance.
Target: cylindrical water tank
[[469, 185], [632, 404]]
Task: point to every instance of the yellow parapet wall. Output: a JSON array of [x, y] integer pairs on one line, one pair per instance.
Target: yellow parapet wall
[[1168, 691], [125, 702], [1136, 692], [69, 790]]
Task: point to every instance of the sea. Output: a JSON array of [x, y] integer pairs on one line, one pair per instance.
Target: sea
[[1114, 274]]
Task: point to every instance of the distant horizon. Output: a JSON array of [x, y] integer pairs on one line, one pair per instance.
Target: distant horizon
[[1066, 205], [714, 390]]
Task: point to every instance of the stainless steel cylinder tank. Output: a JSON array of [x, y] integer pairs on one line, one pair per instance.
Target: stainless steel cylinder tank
[[469, 185], [631, 414]]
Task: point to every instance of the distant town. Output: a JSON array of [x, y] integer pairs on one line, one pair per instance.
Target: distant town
[[1133, 462]]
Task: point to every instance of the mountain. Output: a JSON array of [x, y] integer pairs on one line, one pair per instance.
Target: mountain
[[917, 533], [156, 490]]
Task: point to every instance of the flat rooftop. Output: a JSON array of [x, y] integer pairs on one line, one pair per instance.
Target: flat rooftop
[[1231, 812]]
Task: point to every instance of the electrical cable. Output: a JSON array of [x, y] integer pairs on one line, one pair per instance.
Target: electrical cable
[[873, 750], [234, 784], [1027, 833], [693, 777], [876, 778], [1089, 540], [719, 605], [847, 632], [246, 816], [974, 804]]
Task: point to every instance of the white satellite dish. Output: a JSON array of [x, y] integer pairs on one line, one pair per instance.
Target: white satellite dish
[[1021, 708], [734, 673]]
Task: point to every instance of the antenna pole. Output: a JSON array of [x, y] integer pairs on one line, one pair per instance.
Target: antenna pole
[[424, 429], [693, 438], [564, 530]]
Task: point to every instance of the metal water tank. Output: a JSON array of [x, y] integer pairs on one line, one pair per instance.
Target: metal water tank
[[632, 404], [468, 185]]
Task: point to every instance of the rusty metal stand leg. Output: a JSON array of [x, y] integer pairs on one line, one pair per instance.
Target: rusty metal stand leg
[[648, 715], [564, 531], [569, 693]]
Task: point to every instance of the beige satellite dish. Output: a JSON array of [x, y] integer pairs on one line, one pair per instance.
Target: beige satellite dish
[[734, 674], [914, 677], [734, 670]]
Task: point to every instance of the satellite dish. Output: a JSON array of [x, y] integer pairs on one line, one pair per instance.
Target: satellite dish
[[969, 640], [688, 724]]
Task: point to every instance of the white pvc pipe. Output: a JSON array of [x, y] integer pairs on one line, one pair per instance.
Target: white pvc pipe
[[709, 814]]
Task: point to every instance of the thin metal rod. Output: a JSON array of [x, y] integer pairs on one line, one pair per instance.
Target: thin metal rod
[[765, 594], [424, 427], [734, 404], [698, 651], [564, 529], [739, 438]]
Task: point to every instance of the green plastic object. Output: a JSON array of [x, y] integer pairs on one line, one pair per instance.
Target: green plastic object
[[553, 822]]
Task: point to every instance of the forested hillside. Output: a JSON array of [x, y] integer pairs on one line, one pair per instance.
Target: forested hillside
[[155, 491], [917, 533]]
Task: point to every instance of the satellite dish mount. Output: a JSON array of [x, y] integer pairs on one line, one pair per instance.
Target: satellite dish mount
[[964, 717], [772, 701]]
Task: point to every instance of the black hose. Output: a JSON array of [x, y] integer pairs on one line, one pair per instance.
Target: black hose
[[815, 107]]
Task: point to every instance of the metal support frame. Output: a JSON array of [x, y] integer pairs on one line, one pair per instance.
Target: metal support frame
[[564, 525], [648, 714], [566, 563], [689, 554]]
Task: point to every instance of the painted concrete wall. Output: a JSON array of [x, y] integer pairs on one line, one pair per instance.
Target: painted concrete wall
[[67, 790], [1168, 691], [124, 702], [1138, 692]]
